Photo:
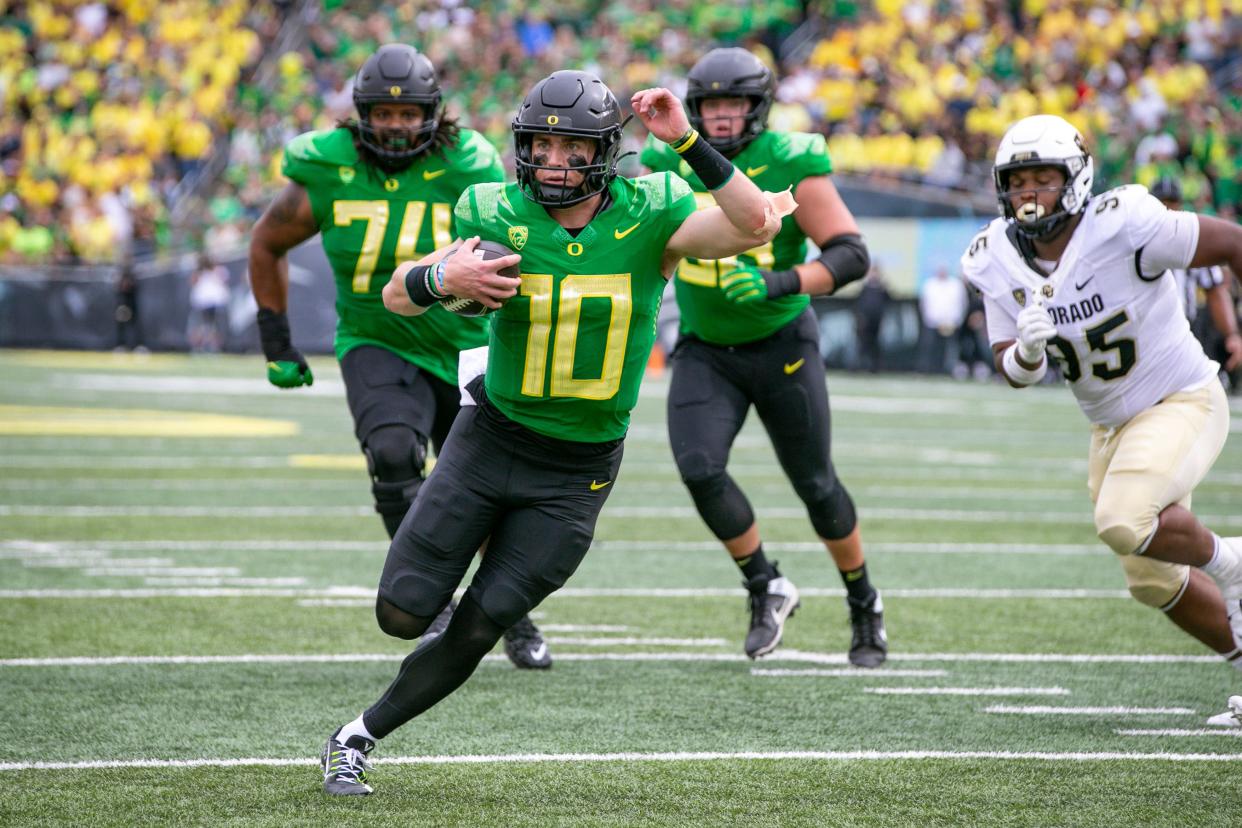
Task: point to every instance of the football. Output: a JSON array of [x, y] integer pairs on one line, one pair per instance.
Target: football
[[486, 250]]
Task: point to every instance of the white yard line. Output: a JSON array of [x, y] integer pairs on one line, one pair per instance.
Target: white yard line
[[1043, 710], [1234, 732], [849, 672], [780, 656], [576, 758], [967, 691]]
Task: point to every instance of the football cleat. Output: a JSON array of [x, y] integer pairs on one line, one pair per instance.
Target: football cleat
[[525, 647], [1231, 717], [345, 766], [869, 643], [772, 600]]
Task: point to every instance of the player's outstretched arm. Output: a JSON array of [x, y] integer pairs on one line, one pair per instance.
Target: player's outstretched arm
[[451, 271], [286, 223], [745, 218]]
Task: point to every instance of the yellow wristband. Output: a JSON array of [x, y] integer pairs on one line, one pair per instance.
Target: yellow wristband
[[685, 142]]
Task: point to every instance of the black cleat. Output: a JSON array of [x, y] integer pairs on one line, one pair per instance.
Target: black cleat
[[345, 766], [869, 644], [772, 600], [525, 647]]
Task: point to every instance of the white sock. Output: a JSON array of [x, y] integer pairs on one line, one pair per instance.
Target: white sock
[[1212, 567], [355, 728]]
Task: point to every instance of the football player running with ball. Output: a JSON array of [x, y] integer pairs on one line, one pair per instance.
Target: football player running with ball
[[531, 464], [381, 190], [1083, 279], [749, 338]]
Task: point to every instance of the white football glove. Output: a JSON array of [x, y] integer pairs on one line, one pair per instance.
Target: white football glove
[[1035, 328]]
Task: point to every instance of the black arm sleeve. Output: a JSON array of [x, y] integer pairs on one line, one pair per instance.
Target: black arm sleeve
[[846, 258]]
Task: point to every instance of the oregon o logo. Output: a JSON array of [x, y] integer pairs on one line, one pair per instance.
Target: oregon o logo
[[395, 91], [553, 120], [391, 185], [574, 249]]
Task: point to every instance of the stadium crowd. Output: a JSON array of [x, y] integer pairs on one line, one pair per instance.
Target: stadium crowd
[[108, 106]]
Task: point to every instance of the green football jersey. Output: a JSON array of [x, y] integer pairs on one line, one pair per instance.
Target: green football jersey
[[371, 220], [568, 352], [774, 161]]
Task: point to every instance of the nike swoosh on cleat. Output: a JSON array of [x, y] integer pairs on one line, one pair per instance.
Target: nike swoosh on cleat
[[430, 174], [539, 652], [751, 172], [595, 487], [790, 367], [621, 234]]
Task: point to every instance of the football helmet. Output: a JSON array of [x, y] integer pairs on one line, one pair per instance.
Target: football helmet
[[568, 102], [397, 73], [731, 73], [1044, 141], [1167, 188]]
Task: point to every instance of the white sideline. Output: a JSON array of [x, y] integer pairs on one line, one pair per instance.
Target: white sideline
[[967, 691], [777, 657], [528, 758], [1039, 710]]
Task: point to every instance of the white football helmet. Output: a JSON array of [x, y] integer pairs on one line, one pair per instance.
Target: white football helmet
[[1044, 141]]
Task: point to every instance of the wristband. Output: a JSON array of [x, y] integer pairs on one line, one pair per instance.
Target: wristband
[[1019, 373], [712, 168], [782, 282], [418, 286]]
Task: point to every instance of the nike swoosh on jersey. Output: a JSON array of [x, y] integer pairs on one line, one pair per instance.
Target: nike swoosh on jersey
[[790, 367], [430, 174], [751, 172], [621, 234], [1084, 284], [595, 487]]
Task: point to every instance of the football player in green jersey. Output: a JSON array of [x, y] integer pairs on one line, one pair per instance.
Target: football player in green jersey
[[380, 190], [531, 464], [749, 338]]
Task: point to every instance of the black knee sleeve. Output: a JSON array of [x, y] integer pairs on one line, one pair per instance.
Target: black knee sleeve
[[721, 504], [832, 514], [395, 458], [398, 623], [433, 671]]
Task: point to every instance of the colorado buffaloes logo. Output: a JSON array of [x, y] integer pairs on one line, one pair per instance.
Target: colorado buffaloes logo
[[346, 174], [395, 91], [553, 120], [518, 236], [391, 185], [1046, 290], [1019, 296]]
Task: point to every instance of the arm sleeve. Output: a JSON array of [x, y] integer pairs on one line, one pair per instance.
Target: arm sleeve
[[1162, 238], [1001, 326]]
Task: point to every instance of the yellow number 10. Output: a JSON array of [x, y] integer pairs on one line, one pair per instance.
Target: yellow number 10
[[375, 214], [564, 341]]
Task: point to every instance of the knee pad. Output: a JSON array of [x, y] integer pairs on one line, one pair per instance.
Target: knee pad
[[397, 622], [503, 605], [1154, 583], [395, 456], [833, 514], [720, 502], [1124, 534]]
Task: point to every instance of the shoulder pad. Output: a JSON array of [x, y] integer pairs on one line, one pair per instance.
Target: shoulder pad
[[480, 203], [326, 146], [980, 254], [659, 190], [802, 152], [474, 152]]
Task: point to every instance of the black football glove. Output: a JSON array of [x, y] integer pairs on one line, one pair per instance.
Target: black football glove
[[286, 367]]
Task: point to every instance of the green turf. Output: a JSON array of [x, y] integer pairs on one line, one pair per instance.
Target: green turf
[[192, 546]]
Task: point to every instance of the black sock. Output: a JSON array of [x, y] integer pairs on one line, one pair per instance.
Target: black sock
[[755, 565], [858, 589]]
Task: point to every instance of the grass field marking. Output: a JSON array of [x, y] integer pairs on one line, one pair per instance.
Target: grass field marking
[[967, 691], [111, 569], [1047, 710], [585, 758], [336, 602], [175, 385], [278, 583], [178, 590], [1234, 732], [607, 628], [634, 641], [31, 420], [780, 656], [849, 672]]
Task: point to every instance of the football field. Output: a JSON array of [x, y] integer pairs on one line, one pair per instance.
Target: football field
[[188, 560]]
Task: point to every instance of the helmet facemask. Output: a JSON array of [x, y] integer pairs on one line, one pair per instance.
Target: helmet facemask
[[393, 146]]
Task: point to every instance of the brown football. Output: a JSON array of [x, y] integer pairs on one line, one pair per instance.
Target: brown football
[[485, 250]]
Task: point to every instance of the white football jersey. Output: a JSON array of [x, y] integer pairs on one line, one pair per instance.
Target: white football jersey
[[1122, 340]]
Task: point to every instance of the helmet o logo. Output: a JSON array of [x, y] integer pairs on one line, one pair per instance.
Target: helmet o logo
[[553, 120], [391, 185], [574, 248], [395, 91]]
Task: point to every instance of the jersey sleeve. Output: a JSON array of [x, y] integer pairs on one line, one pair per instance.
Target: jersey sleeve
[[1161, 238], [466, 214], [1002, 326], [658, 156], [977, 262], [678, 200], [301, 159], [807, 155]]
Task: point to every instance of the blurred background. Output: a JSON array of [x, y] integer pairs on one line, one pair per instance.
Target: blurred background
[[140, 140]]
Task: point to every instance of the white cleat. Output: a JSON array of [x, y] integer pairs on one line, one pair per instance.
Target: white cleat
[[1231, 717]]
